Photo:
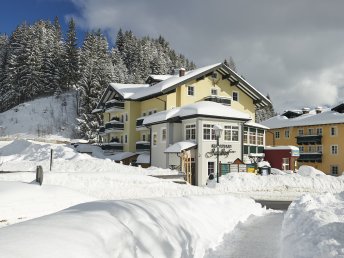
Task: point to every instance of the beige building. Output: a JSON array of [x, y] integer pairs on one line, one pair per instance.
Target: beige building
[[124, 107], [317, 133]]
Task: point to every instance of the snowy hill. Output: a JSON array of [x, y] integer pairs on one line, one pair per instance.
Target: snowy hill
[[48, 119]]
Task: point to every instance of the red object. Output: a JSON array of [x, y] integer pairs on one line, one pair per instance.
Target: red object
[[275, 157]]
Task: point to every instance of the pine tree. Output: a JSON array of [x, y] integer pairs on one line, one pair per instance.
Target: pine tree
[[266, 112], [71, 57]]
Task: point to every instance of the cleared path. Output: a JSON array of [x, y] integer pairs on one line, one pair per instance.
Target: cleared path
[[258, 237]]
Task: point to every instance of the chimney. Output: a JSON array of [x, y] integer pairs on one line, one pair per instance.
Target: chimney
[[318, 110], [181, 72], [305, 110]]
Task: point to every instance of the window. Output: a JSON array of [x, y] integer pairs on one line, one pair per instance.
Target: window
[[211, 167], [121, 138], [163, 134], [302, 149], [231, 133], [334, 149], [319, 148], [334, 170], [150, 112], [245, 135], [125, 138], [190, 132], [310, 131], [333, 131], [144, 114], [143, 137], [191, 91], [235, 96], [312, 149], [285, 164], [208, 132], [126, 117], [260, 137], [277, 134], [122, 118], [214, 75], [286, 133], [154, 111], [155, 139], [213, 91], [253, 136], [300, 132], [319, 131]]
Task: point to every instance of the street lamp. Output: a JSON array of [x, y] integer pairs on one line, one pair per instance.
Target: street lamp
[[218, 130]]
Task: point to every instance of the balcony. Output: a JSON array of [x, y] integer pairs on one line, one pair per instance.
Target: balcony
[[112, 147], [114, 126], [139, 125], [222, 100], [310, 157], [142, 146], [114, 106], [101, 130], [308, 139]]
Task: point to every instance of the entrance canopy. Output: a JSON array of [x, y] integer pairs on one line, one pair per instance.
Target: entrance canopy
[[178, 147]]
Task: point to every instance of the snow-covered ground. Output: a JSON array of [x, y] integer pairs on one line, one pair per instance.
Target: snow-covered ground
[[123, 212], [314, 227], [47, 119]]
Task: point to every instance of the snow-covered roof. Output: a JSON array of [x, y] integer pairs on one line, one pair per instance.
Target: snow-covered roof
[[180, 146], [326, 117], [287, 147], [128, 90], [143, 159], [121, 156], [202, 108], [253, 124], [170, 82], [161, 77]]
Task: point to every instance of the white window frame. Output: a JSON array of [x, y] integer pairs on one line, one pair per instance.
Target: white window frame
[[192, 90], [332, 170], [237, 96], [190, 128], [209, 127], [277, 134], [300, 132], [211, 169], [310, 131], [335, 131], [287, 133], [319, 148], [334, 149], [260, 138], [285, 164], [162, 134], [126, 138], [319, 131], [229, 130]]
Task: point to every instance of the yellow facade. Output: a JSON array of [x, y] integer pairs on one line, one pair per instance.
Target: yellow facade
[[202, 88], [327, 148]]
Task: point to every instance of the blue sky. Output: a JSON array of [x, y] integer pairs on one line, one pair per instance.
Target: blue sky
[[15, 12]]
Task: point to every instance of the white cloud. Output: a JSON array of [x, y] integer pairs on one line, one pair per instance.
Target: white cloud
[[290, 49]]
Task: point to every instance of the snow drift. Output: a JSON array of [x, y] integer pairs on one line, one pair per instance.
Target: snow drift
[[161, 227], [314, 227]]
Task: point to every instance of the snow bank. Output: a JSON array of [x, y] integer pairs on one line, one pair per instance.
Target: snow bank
[[161, 227], [314, 227], [23, 201], [283, 187], [310, 171]]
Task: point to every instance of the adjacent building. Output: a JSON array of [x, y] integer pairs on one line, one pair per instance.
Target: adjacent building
[[126, 109], [317, 133]]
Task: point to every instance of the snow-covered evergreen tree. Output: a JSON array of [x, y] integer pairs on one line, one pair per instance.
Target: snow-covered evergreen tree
[[265, 113], [96, 73]]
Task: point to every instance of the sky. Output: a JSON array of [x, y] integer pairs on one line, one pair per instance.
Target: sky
[[292, 50]]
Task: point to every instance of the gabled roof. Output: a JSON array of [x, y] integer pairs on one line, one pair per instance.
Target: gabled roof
[[198, 109], [170, 83]]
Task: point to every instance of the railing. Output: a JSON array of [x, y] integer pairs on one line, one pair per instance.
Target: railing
[[114, 105], [142, 146], [112, 146], [139, 124], [217, 99], [308, 139], [310, 157], [114, 126]]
